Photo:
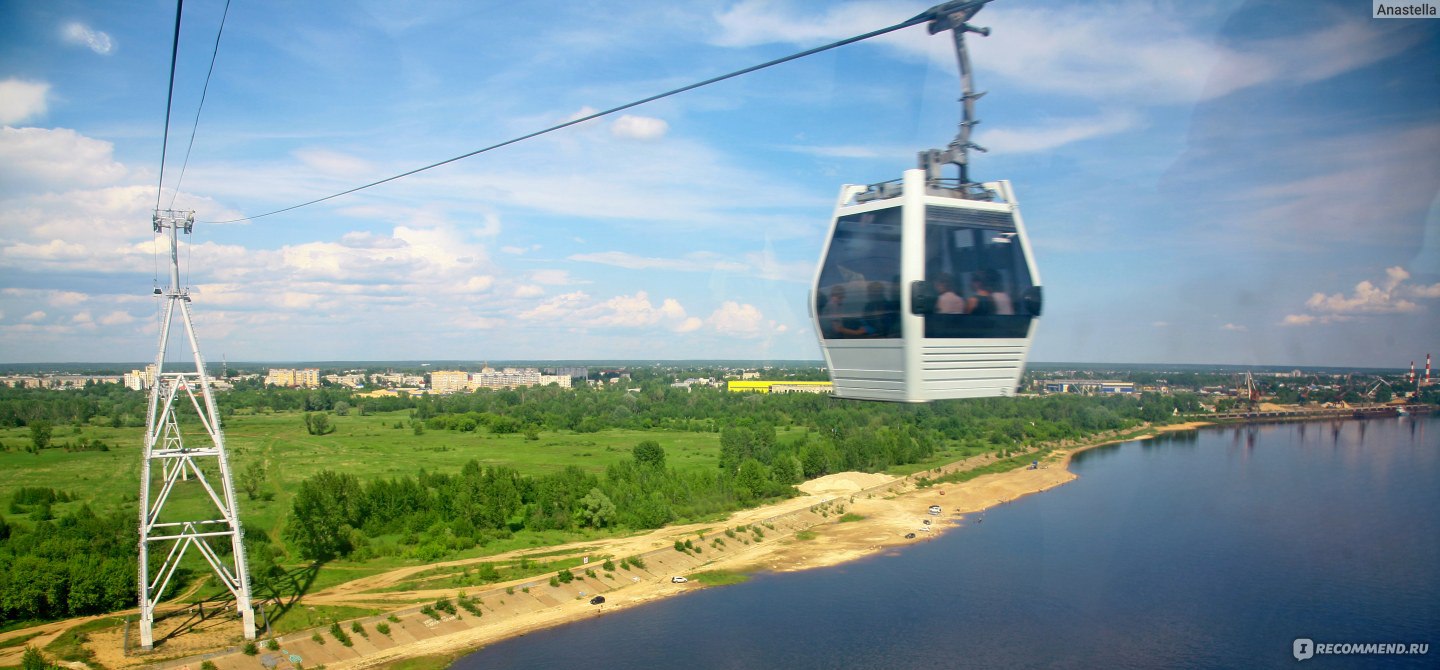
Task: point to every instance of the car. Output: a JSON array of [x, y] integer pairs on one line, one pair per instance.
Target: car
[[678, 580], [909, 536], [926, 521], [597, 600], [935, 510]]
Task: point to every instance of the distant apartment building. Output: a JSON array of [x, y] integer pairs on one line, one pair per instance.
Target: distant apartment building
[[456, 381], [449, 381], [397, 379], [571, 372], [352, 380], [139, 380], [290, 377]]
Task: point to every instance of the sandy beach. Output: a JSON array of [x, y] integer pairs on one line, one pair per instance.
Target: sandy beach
[[800, 533]]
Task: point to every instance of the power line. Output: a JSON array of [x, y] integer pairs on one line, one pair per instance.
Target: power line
[[203, 91], [921, 18], [169, 98]]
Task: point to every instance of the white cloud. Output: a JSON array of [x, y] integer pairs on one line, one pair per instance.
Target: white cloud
[[1055, 134], [639, 127], [1368, 298], [578, 310], [529, 291], [22, 100], [36, 315], [552, 277], [56, 159], [116, 318], [1136, 49], [1234, 328], [82, 35], [334, 163], [733, 318]]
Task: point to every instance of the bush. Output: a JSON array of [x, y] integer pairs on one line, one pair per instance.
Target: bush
[[608, 565], [358, 629], [555, 581], [340, 635], [393, 619], [430, 612], [565, 576], [315, 637], [637, 562], [383, 627], [208, 665], [250, 649], [272, 644]]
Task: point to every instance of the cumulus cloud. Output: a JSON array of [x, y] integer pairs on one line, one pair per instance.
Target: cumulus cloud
[[79, 34], [21, 100], [639, 127], [116, 318], [54, 159], [733, 318], [1392, 296], [637, 311]]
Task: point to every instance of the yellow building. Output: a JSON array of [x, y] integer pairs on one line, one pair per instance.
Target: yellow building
[[308, 377], [779, 387], [449, 381]]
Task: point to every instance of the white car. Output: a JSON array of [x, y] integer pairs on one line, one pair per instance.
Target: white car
[[678, 580]]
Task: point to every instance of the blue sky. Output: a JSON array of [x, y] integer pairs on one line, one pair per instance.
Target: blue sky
[[1244, 183]]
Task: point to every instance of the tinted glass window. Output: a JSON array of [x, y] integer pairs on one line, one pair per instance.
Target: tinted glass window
[[859, 291], [975, 264]]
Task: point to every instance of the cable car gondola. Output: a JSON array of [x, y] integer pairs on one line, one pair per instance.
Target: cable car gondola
[[927, 289]]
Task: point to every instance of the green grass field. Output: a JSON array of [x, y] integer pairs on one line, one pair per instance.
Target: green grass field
[[365, 446]]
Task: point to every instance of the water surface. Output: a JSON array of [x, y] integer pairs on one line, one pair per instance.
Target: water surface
[[1209, 549]]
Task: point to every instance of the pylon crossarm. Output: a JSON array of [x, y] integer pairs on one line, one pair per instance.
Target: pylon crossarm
[[218, 533], [172, 524]]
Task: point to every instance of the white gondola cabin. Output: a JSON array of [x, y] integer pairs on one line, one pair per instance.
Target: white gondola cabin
[[925, 293]]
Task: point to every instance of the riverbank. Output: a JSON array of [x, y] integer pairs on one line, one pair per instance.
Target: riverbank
[[839, 518]]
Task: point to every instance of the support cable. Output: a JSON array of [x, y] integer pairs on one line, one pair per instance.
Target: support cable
[[169, 99], [928, 15], [205, 89]]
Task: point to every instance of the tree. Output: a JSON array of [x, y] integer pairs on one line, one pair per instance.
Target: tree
[[325, 510], [753, 479], [649, 454], [318, 423], [342, 408], [596, 510], [40, 432], [251, 478]]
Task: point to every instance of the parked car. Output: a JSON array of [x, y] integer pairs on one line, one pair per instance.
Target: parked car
[[935, 509], [597, 600], [909, 536], [678, 580]]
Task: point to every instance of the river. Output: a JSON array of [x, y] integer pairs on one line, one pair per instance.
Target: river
[[1216, 548]]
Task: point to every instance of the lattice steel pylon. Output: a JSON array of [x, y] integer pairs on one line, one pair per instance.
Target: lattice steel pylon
[[181, 468]]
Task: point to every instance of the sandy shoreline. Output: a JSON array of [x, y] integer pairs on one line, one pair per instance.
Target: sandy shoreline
[[891, 507]]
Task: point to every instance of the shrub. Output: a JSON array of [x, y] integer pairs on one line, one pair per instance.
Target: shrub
[[444, 605], [358, 629], [383, 627], [393, 619], [272, 644], [509, 590], [679, 546], [608, 565], [208, 665], [339, 634], [555, 581], [637, 562], [430, 612], [315, 637], [250, 649], [565, 576]]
